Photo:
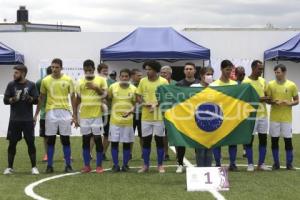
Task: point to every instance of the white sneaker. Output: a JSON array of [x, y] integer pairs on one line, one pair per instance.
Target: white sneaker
[[250, 168], [180, 169], [35, 171], [263, 167], [8, 171]]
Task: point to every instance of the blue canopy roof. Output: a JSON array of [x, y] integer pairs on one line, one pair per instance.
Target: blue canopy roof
[[290, 50], [154, 43], [8, 56]]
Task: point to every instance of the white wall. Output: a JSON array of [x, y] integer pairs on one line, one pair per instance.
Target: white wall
[[233, 45]]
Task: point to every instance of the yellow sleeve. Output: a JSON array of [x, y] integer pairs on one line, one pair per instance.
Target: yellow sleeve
[[295, 90], [268, 90], [72, 89], [139, 90], [43, 89], [110, 92]]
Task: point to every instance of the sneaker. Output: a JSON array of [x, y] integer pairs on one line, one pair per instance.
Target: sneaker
[[250, 168], [144, 169], [179, 169], [167, 157], [45, 158], [161, 169], [99, 170], [35, 171], [49, 170], [276, 167], [68, 169], [263, 167], [8, 171], [290, 167], [115, 168], [86, 169], [233, 168]]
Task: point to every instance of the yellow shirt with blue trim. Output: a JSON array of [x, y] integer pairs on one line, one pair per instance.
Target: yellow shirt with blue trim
[[123, 100], [281, 91], [147, 89], [57, 91], [90, 106]]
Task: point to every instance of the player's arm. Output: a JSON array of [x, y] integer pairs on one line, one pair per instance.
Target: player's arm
[[41, 102], [8, 97], [295, 101], [100, 91]]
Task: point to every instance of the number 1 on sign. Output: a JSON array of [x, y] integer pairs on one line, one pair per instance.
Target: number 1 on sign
[[207, 174]]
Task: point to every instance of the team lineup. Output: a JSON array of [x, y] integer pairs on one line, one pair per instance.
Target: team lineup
[[109, 112]]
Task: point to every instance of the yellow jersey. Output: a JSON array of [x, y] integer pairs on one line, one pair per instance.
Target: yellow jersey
[[221, 83], [90, 106], [147, 89], [123, 100], [57, 92], [281, 91], [260, 87]]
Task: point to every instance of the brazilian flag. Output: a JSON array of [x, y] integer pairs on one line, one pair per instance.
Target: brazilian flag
[[208, 117]]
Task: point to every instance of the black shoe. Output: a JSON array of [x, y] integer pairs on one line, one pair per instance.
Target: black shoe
[[115, 168], [233, 168], [104, 157], [276, 167], [125, 168], [130, 158], [218, 165], [167, 157], [68, 169], [290, 167], [49, 170], [244, 155]]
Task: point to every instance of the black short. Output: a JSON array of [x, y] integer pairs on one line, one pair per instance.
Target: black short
[[17, 128], [42, 128], [106, 119], [137, 123]]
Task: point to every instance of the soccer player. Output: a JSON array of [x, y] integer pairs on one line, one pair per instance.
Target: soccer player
[[226, 69], [90, 90], [204, 155], [57, 87], [189, 72], [122, 96], [152, 123], [103, 72], [261, 123], [20, 94], [284, 95], [136, 76], [43, 115]]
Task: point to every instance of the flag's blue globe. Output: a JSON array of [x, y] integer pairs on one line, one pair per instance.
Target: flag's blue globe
[[209, 117]]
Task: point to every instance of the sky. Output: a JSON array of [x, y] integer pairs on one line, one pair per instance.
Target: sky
[[126, 15]]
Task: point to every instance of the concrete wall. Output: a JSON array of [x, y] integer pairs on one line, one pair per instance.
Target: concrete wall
[[233, 45]]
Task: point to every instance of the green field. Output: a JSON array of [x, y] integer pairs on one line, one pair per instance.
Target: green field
[[280, 184]]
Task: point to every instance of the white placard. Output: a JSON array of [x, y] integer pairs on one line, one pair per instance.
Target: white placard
[[207, 178]]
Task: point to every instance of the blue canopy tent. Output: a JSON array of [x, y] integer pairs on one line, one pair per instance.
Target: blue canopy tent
[[290, 50], [8, 56], [154, 43]]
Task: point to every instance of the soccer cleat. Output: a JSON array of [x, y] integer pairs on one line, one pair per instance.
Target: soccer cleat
[[263, 167], [161, 169], [290, 167], [115, 168], [45, 158], [143, 169], [125, 168], [179, 169], [68, 169], [276, 167], [250, 168], [8, 171], [233, 168], [49, 170], [35, 171], [167, 157], [99, 170], [86, 169]]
